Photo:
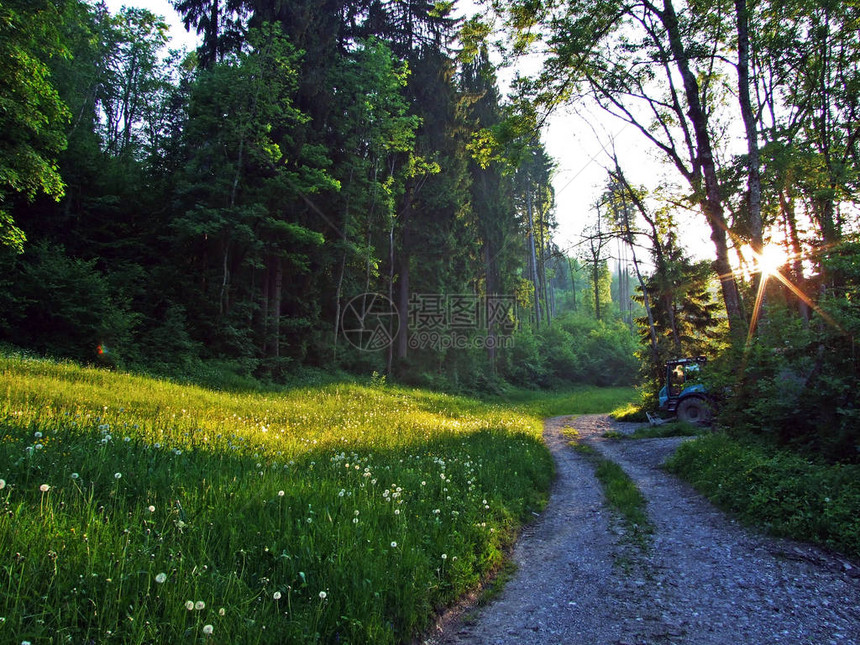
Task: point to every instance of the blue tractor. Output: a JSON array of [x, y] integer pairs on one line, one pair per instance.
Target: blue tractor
[[684, 395]]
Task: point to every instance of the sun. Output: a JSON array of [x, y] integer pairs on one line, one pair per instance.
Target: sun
[[773, 257]]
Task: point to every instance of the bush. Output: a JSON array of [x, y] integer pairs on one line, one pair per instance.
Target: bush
[[783, 492], [574, 349], [795, 386], [63, 306]]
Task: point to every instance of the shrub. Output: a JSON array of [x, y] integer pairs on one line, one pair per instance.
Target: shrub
[[63, 306], [784, 492]]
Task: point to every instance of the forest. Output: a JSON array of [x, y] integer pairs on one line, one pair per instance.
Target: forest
[[164, 209], [343, 186]]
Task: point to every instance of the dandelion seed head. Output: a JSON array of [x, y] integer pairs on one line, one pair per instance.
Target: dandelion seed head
[[323, 595], [222, 611], [280, 493], [207, 630], [189, 605], [44, 488], [161, 577], [393, 544], [117, 475], [151, 509], [199, 605], [2, 484], [276, 595], [444, 556], [75, 475]]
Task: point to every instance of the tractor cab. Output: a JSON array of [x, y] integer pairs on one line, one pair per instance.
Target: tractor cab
[[684, 394]]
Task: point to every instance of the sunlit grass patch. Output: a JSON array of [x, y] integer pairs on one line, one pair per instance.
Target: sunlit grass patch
[[140, 510], [629, 411], [578, 400]]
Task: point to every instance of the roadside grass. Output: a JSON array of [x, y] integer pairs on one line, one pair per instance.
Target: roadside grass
[[630, 411], [779, 491], [578, 400], [623, 495], [670, 429], [140, 510], [619, 489]]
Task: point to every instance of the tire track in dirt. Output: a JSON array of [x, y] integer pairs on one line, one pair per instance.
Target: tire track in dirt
[[703, 579]]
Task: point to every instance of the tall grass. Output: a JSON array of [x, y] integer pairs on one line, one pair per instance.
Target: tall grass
[[138, 510], [583, 399]]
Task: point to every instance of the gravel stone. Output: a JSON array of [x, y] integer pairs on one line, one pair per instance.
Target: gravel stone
[[700, 579]]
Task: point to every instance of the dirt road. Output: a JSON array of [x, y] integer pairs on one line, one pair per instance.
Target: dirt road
[[701, 578]]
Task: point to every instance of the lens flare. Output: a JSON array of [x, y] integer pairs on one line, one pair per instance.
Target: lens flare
[[772, 259]]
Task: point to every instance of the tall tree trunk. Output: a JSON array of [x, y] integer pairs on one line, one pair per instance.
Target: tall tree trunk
[[709, 199], [225, 279], [338, 294], [273, 342], [646, 301], [572, 281], [533, 257], [786, 205], [748, 114], [263, 321], [403, 305], [402, 339], [490, 292]]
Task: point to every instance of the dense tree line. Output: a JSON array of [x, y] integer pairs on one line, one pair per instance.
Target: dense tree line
[[233, 202]]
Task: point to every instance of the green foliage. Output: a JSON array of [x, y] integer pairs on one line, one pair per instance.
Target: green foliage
[[574, 349], [32, 115], [797, 382], [785, 493], [63, 306], [341, 512]]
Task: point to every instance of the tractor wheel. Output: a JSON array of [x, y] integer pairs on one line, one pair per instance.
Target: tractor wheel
[[695, 410]]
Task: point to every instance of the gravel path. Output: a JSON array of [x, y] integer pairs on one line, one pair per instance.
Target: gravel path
[[703, 579]]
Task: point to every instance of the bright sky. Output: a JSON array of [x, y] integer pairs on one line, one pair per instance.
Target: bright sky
[[572, 141]]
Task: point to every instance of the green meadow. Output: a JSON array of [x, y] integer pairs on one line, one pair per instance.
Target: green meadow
[[138, 510]]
